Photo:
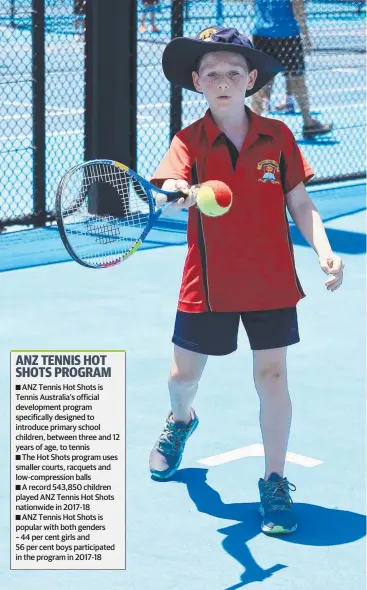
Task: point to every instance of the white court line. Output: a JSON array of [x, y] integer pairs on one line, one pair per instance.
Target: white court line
[[340, 90], [17, 103], [339, 106], [10, 117], [59, 113], [167, 104], [256, 450], [141, 126], [62, 114], [350, 69], [356, 33], [156, 105], [151, 126], [49, 134], [55, 48]]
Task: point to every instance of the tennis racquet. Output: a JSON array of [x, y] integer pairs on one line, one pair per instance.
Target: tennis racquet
[[105, 210]]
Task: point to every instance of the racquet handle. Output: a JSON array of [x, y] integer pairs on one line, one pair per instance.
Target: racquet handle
[[175, 196]]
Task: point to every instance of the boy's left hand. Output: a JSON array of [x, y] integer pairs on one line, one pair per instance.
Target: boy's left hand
[[332, 265]]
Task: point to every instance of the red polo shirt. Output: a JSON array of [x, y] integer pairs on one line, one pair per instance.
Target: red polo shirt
[[243, 260]]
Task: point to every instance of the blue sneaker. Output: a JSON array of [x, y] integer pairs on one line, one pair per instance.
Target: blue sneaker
[[276, 505], [166, 455], [287, 107]]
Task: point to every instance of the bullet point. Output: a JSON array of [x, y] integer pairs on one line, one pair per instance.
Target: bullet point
[[18, 487], [18, 457], [18, 387], [17, 517]]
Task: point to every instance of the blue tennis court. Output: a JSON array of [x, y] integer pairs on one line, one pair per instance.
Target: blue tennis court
[[201, 530]]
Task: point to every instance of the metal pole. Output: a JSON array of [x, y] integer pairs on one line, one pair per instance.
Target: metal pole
[[110, 80], [38, 111], [110, 87], [12, 13], [219, 12], [176, 91]]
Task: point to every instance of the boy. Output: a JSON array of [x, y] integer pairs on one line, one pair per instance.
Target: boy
[[240, 265]]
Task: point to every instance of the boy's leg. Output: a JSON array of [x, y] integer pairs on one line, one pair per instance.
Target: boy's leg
[[288, 88], [287, 106], [299, 90], [295, 69], [261, 99], [195, 336], [142, 26], [270, 377], [186, 369], [153, 23], [311, 127]]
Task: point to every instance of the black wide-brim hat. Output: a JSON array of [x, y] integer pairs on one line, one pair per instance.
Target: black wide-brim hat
[[181, 56]]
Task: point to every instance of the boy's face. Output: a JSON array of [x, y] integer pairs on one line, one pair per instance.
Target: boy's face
[[224, 79]]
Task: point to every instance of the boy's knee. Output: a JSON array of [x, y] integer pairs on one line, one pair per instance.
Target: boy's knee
[[270, 372]]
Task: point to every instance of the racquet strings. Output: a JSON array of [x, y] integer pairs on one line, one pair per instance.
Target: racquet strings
[[104, 211]]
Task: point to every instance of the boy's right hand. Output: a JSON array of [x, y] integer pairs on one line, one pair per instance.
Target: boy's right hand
[[183, 203]]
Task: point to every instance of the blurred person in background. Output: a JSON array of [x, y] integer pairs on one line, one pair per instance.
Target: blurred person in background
[[281, 31], [149, 6], [79, 6]]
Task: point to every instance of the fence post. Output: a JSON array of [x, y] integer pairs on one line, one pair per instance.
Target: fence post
[[38, 111], [110, 80], [110, 90], [12, 13], [176, 91], [219, 10]]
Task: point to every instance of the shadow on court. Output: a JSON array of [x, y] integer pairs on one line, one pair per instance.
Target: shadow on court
[[37, 247], [318, 526], [344, 241], [321, 140], [295, 114]]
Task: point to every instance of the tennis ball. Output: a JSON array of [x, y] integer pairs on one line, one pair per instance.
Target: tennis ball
[[214, 198]]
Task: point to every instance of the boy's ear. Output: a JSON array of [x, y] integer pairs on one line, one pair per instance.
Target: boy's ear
[[251, 79], [196, 82]]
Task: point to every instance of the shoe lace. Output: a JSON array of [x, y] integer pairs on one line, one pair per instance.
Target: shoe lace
[[172, 439], [277, 494]]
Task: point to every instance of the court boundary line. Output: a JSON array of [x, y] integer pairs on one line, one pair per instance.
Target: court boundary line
[[256, 450]]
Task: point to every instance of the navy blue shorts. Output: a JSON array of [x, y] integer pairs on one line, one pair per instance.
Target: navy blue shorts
[[215, 333], [289, 52]]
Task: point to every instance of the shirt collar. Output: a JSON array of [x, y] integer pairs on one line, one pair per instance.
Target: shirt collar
[[257, 126]]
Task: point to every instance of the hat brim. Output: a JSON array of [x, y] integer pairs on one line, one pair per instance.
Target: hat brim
[[181, 54]]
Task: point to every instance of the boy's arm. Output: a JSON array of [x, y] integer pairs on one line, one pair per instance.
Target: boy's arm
[[307, 218], [174, 173]]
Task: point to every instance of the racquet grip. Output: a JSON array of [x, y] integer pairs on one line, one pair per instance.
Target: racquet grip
[[175, 196]]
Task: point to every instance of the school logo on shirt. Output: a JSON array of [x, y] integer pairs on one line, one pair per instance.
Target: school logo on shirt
[[269, 169], [207, 34]]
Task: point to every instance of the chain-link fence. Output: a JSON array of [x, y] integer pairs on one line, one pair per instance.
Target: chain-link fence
[[43, 108], [333, 82], [42, 103]]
